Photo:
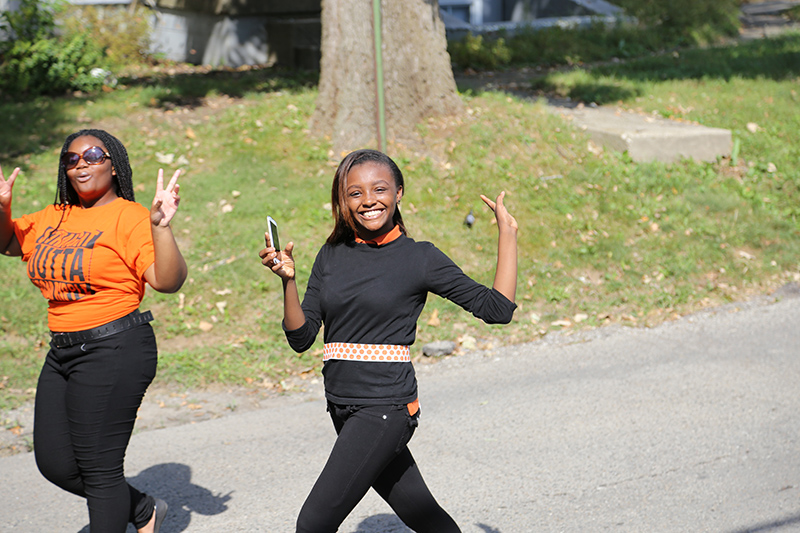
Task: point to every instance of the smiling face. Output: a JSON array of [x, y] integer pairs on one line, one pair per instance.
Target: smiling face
[[371, 196], [94, 184]]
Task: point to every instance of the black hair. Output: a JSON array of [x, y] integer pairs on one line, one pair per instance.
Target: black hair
[[123, 180], [344, 225]]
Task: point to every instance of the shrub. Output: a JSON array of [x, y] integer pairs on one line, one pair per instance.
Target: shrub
[[474, 51], [662, 25], [124, 35], [52, 66], [30, 21], [35, 61], [686, 21]]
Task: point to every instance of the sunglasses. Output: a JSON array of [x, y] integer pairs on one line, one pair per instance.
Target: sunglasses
[[93, 156]]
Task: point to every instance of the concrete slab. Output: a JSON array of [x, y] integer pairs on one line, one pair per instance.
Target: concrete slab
[[644, 137], [648, 138]]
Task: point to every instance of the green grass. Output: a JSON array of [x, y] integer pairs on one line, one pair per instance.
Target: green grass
[[602, 239]]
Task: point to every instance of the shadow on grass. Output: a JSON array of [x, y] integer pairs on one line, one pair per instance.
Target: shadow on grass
[[31, 127], [188, 89], [774, 59], [35, 125]]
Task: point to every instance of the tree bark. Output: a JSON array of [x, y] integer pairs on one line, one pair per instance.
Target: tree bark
[[418, 77]]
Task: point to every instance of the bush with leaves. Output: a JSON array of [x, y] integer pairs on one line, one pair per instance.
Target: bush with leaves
[[123, 32], [686, 21], [31, 21], [51, 66], [661, 25], [35, 61], [476, 52]]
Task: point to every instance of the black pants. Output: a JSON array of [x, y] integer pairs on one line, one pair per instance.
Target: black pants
[[86, 404], [371, 451]]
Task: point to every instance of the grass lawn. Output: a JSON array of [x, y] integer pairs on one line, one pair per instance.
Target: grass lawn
[[602, 239]]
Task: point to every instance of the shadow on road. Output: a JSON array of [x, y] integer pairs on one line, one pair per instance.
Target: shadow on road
[[382, 523], [172, 482], [766, 527], [389, 523]]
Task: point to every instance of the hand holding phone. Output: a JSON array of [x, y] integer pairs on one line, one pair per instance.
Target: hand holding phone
[[272, 231]]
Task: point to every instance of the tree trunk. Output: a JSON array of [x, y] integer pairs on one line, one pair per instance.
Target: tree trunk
[[418, 78]]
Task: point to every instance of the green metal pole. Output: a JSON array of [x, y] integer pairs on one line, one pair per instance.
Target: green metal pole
[[377, 32]]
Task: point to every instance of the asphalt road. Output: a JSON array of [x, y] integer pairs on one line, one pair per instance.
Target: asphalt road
[[691, 426]]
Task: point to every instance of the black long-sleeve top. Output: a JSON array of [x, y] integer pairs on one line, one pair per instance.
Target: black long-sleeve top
[[374, 294]]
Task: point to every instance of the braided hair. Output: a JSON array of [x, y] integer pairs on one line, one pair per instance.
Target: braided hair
[[123, 180], [344, 225]]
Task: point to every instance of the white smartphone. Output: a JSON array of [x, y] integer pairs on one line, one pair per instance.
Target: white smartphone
[[272, 231]]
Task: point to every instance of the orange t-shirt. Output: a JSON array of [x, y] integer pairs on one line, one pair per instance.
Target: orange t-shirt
[[88, 263]]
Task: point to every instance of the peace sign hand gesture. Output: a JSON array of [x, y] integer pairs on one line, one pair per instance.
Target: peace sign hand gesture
[[5, 189], [166, 200]]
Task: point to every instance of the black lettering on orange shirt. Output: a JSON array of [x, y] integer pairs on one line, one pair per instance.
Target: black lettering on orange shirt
[[61, 264]]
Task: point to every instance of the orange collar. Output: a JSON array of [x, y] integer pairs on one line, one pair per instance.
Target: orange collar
[[386, 238]]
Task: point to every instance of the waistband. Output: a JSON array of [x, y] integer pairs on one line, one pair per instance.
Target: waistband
[[69, 338], [377, 353]]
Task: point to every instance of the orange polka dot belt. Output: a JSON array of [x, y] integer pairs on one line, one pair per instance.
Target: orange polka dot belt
[[350, 351]]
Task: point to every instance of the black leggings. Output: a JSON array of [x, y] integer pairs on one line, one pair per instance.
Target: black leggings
[[86, 404], [371, 451]]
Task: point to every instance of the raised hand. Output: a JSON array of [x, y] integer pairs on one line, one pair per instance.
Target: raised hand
[[285, 265], [504, 218], [6, 185], [166, 200], [505, 277]]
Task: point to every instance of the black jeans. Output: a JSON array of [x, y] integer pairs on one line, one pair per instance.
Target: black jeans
[[371, 451], [86, 404]]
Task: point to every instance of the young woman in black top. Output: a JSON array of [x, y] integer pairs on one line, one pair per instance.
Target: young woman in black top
[[368, 286]]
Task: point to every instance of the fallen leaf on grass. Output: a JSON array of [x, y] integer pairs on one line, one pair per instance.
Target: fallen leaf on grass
[[165, 159], [468, 342], [434, 319]]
